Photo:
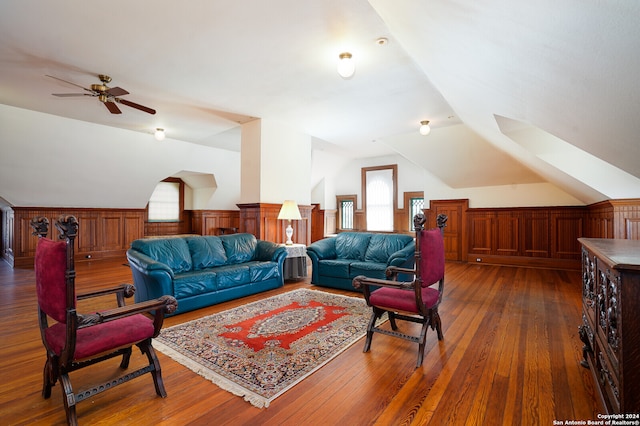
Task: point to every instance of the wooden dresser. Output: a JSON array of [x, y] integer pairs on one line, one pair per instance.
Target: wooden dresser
[[610, 326]]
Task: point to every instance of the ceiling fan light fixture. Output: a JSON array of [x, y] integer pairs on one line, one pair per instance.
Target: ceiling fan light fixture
[[159, 134], [346, 65], [424, 128]]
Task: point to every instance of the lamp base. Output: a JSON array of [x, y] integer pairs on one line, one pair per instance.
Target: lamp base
[[289, 233]]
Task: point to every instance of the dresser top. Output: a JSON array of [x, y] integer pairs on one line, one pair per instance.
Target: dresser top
[[618, 253]]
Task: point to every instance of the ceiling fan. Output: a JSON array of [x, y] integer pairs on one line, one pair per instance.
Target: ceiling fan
[[109, 96]]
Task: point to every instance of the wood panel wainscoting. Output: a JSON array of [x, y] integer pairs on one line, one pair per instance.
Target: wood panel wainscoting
[[261, 220], [105, 232]]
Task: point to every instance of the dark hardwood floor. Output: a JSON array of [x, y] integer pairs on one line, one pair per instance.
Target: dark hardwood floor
[[510, 355]]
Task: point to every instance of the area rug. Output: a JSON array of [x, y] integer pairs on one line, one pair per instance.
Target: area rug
[[262, 349]]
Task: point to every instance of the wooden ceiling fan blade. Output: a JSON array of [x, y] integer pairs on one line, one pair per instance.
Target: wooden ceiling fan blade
[[136, 106], [112, 107], [68, 82], [67, 95], [117, 91]]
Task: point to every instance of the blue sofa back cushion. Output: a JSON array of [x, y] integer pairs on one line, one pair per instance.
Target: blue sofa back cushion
[[206, 252], [240, 248], [352, 245], [382, 246], [173, 252]]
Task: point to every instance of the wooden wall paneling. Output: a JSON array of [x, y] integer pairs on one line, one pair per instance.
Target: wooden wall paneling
[[209, 222], [481, 233], [567, 225], [112, 232], [600, 220], [626, 218], [102, 232], [507, 233], [330, 222], [536, 233], [133, 227]]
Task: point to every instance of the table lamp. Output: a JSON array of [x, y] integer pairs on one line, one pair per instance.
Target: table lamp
[[289, 211]]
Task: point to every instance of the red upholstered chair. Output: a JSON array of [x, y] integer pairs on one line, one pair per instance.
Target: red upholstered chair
[[74, 341], [415, 301]]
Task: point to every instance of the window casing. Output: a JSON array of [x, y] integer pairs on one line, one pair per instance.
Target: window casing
[[346, 211]]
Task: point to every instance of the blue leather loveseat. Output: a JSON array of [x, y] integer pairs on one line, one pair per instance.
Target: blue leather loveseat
[[336, 261], [204, 270]]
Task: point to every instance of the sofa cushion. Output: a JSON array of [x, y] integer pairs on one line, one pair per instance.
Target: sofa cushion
[[240, 248], [369, 269], [262, 270], [232, 276], [194, 283], [206, 252], [334, 267], [173, 252], [382, 246], [352, 245]]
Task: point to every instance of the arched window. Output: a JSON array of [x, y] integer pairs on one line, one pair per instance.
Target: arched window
[[165, 203]]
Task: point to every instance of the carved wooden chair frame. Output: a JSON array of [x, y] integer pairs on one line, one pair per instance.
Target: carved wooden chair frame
[[60, 364], [428, 316]]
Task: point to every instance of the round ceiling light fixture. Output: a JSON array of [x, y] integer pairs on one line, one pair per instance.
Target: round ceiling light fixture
[[346, 65], [424, 128], [159, 134]]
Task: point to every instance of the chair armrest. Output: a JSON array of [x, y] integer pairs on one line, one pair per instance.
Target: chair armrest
[[157, 307], [121, 291], [361, 281], [392, 272]]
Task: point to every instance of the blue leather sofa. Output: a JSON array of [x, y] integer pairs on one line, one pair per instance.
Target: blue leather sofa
[[336, 261], [204, 270]]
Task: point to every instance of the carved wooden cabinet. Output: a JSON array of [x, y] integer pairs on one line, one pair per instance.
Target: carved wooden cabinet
[[610, 327]]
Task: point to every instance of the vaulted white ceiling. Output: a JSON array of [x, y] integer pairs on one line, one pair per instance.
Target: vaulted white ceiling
[[514, 90]]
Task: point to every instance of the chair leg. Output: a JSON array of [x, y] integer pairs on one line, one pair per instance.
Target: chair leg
[[421, 342], [69, 399], [124, 364], [435, 323], [49, 376], [156, 373], [392, 320], [372, 323]]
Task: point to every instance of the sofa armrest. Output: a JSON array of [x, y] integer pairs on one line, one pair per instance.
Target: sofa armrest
[[404, 257], [322, 249], [269, 251], [152, 279]]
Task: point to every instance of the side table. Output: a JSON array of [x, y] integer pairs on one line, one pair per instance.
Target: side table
[[295, 264]]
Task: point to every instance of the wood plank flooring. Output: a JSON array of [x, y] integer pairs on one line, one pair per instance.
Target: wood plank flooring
[[510, 356]]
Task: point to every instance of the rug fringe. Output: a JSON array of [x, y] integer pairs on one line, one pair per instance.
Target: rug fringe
[[223, 383]]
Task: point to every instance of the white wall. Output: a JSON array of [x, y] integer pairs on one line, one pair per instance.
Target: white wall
[[414, 178], [49, 161]]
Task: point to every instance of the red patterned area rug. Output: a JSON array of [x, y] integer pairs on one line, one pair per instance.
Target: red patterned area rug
[[262, 349]]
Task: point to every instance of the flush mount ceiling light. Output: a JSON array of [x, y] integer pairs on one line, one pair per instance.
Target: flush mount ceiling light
[[346, 65], [159, 134], [424, 127]]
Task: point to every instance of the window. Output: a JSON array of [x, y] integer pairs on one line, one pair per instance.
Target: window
[[380, 189], [346, 214], [346, 211], [416, 205], [164, 204]]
